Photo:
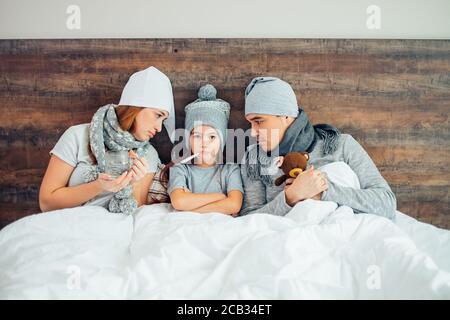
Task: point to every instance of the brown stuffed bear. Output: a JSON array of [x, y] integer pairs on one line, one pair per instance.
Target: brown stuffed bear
[[294, 163]]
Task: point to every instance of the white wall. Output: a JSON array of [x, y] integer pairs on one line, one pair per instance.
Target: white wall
[[404, 19]]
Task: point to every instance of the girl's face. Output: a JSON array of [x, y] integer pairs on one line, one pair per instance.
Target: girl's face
[[147, 123], [205, 141]]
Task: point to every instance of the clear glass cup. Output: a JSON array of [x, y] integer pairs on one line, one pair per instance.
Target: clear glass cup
[[117, 162]]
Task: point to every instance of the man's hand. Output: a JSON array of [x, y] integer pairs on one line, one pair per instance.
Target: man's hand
[[308, 185], [318, 196]]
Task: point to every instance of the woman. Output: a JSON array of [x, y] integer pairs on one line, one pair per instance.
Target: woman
[[76, 174]]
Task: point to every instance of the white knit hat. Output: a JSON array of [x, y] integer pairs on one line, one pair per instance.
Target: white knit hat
[[150, 88]]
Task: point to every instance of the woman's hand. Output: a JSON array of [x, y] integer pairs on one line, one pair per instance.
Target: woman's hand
[[139, 167], [114, 185], [310, 184]]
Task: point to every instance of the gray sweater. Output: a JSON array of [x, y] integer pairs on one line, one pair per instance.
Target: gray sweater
[[375, 195]]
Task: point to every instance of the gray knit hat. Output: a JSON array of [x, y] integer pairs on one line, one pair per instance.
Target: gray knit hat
[[270, 95], [209, 111]]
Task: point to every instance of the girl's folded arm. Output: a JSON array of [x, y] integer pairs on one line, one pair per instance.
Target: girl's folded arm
[[230, 205], [187, 201]]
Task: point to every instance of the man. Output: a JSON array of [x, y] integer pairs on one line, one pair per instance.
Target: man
[[280, 126]]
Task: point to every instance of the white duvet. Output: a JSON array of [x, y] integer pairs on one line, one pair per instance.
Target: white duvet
[[87, 252], [317, 251]]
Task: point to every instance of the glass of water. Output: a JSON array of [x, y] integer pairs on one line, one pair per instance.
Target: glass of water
[[117, 162]]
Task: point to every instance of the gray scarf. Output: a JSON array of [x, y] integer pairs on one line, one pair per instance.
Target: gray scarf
[[105, 134], [301, 136]]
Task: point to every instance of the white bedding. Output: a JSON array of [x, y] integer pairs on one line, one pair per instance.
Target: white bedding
[[314, 252]]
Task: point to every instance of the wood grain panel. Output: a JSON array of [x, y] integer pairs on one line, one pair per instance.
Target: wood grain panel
[[393, 96]]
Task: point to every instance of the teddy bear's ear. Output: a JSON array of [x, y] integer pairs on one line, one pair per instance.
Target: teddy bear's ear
[[306, 154]]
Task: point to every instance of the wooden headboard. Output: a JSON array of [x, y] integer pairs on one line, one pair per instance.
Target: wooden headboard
[[393, 96]]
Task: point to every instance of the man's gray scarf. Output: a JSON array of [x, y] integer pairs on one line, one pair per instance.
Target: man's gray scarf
[[301, 136], [105, 134]]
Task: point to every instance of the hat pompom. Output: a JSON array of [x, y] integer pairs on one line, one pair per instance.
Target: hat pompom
[[207, 92]]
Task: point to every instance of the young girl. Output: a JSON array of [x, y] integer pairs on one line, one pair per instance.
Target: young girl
[[206, 186], [78, 170]]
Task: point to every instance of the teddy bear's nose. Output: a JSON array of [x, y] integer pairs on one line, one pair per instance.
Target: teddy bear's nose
[[295, 172]]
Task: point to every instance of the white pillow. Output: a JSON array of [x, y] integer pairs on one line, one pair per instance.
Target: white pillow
[[340, 173], [310, 211]]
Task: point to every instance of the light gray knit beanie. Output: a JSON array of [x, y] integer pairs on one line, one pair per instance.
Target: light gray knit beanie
[[207, 110], [272, 96]]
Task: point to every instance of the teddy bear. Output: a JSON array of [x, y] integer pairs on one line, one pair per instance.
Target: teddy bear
[[293, 164]]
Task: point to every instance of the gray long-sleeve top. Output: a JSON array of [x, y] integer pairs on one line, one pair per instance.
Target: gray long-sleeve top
[[375, 195]]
